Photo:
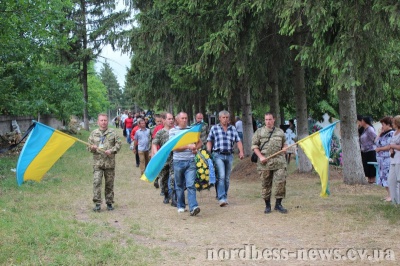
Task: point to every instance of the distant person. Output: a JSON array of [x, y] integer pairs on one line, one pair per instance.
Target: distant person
[[123, 117], [290, 135], [153, 131], [254, 122], [159, 140], [104, 144], [142, 141], [367, 144], [239, 127], [116, 121], [394, 170], [128, 127], [273, 170], [132, 146], [360, 128], [204, 129], [383, 154]]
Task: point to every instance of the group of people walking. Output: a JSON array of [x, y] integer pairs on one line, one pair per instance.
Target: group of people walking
[[384, 150], [179, 173]]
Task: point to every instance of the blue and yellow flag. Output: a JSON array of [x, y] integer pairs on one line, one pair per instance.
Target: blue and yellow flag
[[44, 147], [187, 136], [317, 147]]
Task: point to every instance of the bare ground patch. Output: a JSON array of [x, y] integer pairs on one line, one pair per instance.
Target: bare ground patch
[[312, 222]]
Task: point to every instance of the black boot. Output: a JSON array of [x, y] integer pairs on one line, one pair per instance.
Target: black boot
[[156, 185], [267, 206], [279, 207], [166, 198], [173, 199]]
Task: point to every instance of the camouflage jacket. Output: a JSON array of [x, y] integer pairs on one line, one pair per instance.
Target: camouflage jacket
[[274, 145], [162, 136], [111, 141]]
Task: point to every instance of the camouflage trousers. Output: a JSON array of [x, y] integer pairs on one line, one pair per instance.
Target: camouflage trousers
[[278, 177], [163, 176], [109, 174], [171, 175]]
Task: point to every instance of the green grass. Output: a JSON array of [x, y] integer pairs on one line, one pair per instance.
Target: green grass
[[51, 222], [38, 224]]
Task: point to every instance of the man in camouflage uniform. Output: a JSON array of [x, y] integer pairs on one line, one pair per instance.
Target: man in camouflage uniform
[[273, 169], [153, 131], [104, 144], [204, 129], [161, 137]]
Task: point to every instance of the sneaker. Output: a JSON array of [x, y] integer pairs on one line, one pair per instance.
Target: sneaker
[[97, 208], [195, 211], [110, 207], [156, 185], [180, 210], [223, 203]]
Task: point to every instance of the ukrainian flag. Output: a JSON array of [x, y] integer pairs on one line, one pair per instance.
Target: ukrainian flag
[[317, 147], [157, 162], [44, 147]]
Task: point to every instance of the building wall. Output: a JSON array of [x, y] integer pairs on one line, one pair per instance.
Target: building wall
[[25, 121]]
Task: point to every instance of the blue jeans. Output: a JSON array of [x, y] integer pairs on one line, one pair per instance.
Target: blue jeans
[[223, 165], [185, 172], [128, 135]]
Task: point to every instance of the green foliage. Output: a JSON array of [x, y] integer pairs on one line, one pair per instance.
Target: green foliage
[[98, 95], [44, 223], [30, 81], [109, 79]]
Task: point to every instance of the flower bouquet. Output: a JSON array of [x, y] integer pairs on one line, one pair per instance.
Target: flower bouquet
[[203, 171]]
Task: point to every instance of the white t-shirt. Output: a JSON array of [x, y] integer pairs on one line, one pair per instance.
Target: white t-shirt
[[123, 117]]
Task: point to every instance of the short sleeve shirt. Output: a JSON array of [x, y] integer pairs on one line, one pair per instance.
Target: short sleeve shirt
[[223, 141], [185, 155], [142, 136]]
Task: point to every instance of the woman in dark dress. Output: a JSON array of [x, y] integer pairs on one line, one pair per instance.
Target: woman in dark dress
[[367, 144]]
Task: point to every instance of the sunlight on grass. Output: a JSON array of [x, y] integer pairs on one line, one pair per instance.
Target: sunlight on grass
[[38, 220]]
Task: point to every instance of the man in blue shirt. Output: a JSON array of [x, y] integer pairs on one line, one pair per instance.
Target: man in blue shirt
[[220, 142], [142, 141]]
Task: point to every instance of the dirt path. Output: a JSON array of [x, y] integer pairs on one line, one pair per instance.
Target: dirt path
[[235, 230]]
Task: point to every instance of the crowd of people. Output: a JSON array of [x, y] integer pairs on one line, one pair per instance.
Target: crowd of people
[[218, 141], [383, 149], [178, 175]]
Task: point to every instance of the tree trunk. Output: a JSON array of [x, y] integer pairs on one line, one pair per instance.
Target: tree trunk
[[247, 121], [202, 103], [85, 70], [231, 109], [282, 112], [197, 101], [301, 107], [85, 95], [274, 99], [171, 104], [353, 171]]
